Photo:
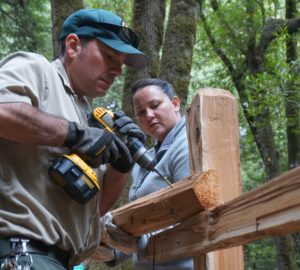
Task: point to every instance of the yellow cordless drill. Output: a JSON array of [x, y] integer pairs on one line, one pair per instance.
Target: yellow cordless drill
[[77, 178], [104, 119]]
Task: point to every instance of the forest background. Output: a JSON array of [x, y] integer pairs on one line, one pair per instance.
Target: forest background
[[249, 47]]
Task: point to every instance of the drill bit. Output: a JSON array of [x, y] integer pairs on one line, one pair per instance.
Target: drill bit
[[165, 178]]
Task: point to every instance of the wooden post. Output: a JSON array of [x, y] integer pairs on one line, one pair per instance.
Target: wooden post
[[200, 262], [213, 132]]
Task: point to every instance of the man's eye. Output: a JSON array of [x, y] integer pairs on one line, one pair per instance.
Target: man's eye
[[154, 105], [108, 56]]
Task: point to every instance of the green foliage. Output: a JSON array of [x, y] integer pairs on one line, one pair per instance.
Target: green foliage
[[120, 7], [259, 255], [265, 94], [263, 89], [127, 265], [25, 25], [234, 26], [252, 168]]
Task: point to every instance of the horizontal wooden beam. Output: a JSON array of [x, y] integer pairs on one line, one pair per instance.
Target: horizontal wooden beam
[[170, 205], [272, 209]]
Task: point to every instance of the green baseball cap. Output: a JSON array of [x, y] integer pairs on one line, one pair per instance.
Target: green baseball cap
[[108, 28]]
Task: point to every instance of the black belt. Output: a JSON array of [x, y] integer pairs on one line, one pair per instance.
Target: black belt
[[11, 246]]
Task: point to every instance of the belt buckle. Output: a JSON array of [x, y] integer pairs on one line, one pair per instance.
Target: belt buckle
[[14, 241], [18, 260]]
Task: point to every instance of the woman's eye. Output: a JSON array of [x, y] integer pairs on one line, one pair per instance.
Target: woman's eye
[[140, 113]]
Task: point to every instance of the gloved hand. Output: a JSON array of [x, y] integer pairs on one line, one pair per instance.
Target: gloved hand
[[113, 236], [94, 145], [125, 126], [123, 164]]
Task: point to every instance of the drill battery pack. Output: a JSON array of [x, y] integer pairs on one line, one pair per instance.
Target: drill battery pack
[[77, 178]]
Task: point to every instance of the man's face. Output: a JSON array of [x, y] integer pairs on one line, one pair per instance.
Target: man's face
[[92, 67]]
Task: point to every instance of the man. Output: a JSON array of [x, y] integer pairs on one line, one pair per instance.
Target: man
[[43, 115]]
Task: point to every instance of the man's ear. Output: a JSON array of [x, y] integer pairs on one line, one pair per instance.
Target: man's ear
[[73, 45], [176, 103]]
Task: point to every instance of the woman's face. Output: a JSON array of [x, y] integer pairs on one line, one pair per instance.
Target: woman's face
[[155, 113]]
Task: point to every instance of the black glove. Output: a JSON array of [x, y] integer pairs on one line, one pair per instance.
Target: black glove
[[123, 164], [96, 146], [125, 126]]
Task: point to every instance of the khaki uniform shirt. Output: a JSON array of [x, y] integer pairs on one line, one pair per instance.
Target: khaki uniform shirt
[[31, 204]]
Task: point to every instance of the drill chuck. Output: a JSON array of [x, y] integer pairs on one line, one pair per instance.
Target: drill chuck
[[140, 154]]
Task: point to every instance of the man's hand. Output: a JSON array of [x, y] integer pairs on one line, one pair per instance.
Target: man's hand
[[94, 145], [125, 126]]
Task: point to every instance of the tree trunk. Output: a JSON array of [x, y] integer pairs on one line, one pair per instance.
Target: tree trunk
[[285, 248], [177, 51], [179, 41], [292, 95], [291, 110], [60, 10], [148, 21]]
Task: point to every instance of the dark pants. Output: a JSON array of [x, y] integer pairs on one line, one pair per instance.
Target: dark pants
[[40, 262]]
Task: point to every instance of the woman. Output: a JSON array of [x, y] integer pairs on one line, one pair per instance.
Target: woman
[[157, 111]]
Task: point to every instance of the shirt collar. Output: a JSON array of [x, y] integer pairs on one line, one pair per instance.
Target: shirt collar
[[63, 74], [58, 64], [161, 148]]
